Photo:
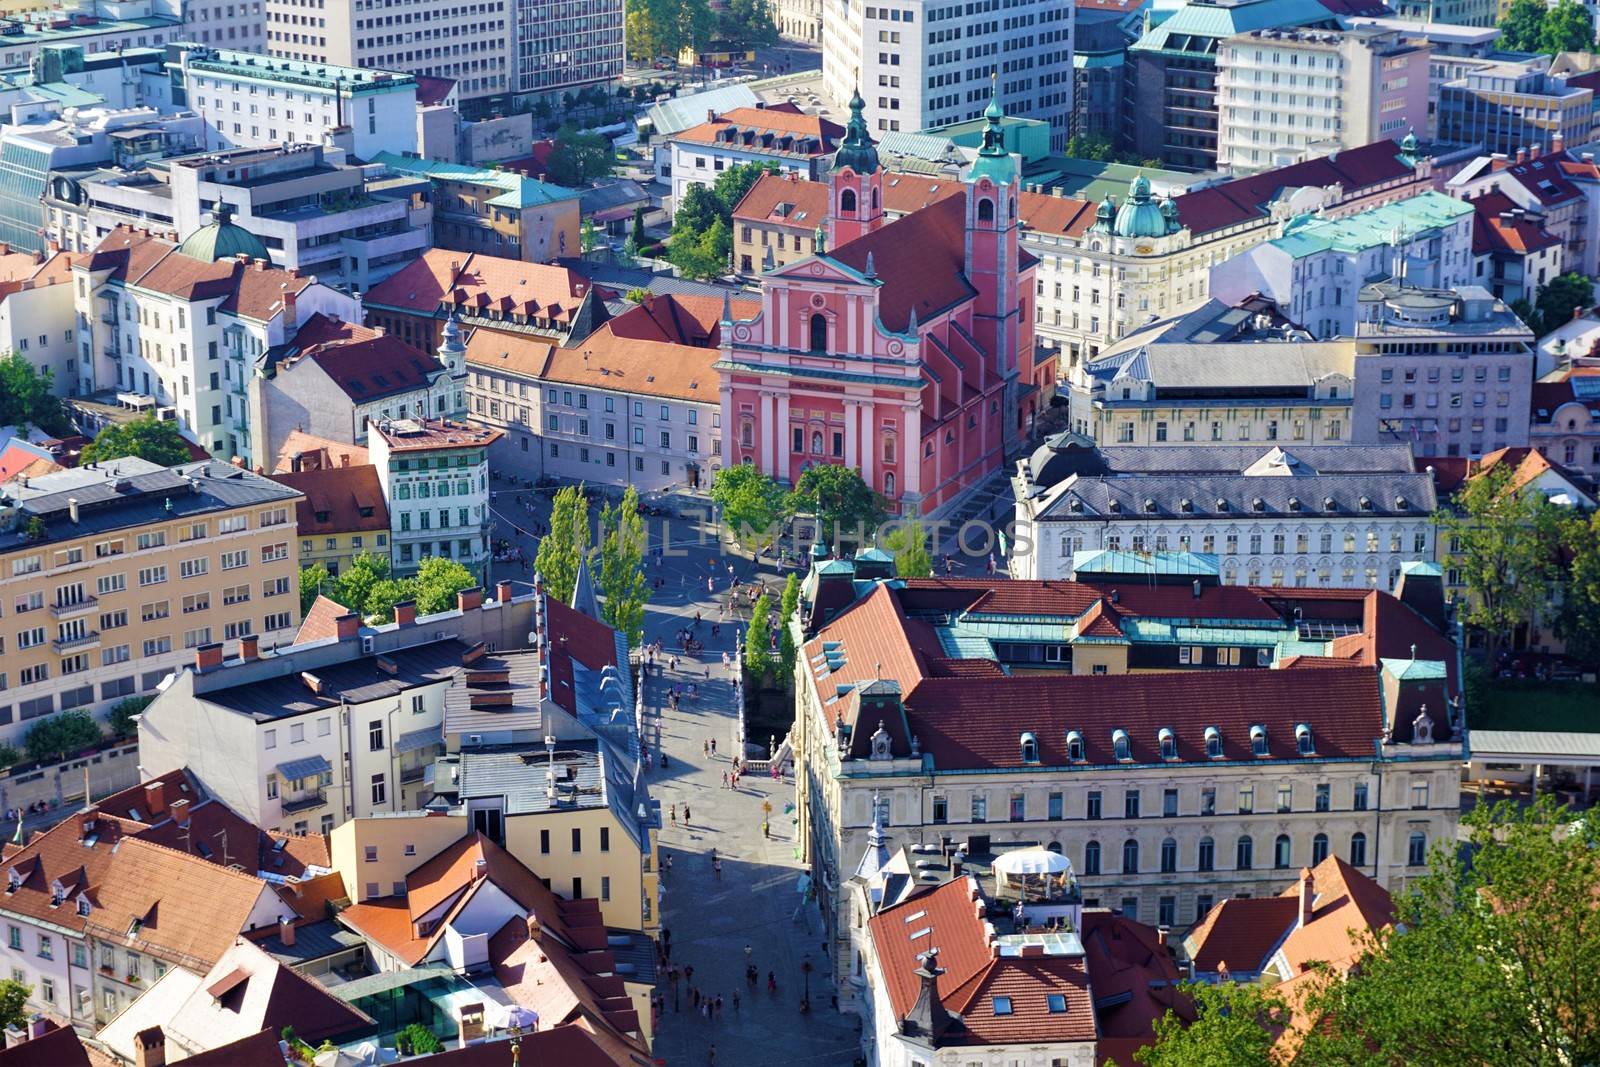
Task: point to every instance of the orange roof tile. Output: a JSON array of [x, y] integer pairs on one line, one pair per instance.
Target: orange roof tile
[[249, 289], [785, 200], [766, 128], [442, 278], [320, 622], [338, 500], [1063, 215], [309, 449]]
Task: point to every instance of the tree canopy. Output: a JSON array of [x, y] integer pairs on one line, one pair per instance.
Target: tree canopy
[[52, 739], [147, 437], [908, 543], [662, 28], [1533, 26], [1559, 298], [567, 541], [699, 246], [579, 158], [752, 504], [758, 640], [438, 580], [623, 586], [13, 1003], [844, 506], [26, 396], [313, 579]]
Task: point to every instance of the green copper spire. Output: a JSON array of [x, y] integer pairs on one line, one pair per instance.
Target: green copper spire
[[856, 151], [993, 162]]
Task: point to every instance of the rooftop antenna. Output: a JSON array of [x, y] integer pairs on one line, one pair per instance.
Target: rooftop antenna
[[226, 859]]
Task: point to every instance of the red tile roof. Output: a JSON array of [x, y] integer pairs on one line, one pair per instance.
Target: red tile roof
[[951, 919], [444, 279], [1063, 215], [1247, 199], [1135, 983], [310, 451], [920, 261], [248, 991], [785, 200], [1517, 233], [338, 500], [366, 364], [250, 289], [320, 622], [1240, 934], [1546, 179], [767, 127], [59, 1047]]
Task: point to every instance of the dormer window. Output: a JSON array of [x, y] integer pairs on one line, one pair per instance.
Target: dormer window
[[1030, 748], [1149, 504], [1186, 505], [1213, 743], [13, 879], [1258, 740], [1294, 503], [1119, 745], [1222, 505], [1328, 504], [1169, 744], [1399, 503], [1074, 746], [83, 905], [1366, 503], [1302, 740], [1258, 504]]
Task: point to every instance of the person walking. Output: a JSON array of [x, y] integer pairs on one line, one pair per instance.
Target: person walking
[[686, 815], [716, 868], [672, 814]]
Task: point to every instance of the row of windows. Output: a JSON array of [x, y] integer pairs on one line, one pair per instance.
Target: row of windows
[[1093, 808], [1244, 857]]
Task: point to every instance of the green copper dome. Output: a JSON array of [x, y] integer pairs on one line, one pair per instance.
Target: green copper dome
[[1140, 215], [222, 240], [856, 151], [993, 162]]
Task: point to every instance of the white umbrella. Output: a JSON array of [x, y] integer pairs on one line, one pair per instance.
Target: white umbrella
[[1032, 861], [505, 1016]]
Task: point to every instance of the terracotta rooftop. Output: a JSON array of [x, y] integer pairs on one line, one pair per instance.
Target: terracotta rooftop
[[1545, 177], [36, 269], [427, 435], [663, 347], [338, 500], [302, 451], [366, 364], [441, 280], [1135, 983], [920, 261], [782, 129], [1499, 225], [1063, 215], [252, 290], [785, 200]]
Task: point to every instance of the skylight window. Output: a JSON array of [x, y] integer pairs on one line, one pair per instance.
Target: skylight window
[[1058, 1003], [1002, 1005]]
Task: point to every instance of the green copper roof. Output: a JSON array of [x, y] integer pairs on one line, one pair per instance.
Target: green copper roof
[[1140, 215], [222, 240], [1195, 28], [993, 162], [856, 151], [520, 192], [1409, 670], [1369, 229]]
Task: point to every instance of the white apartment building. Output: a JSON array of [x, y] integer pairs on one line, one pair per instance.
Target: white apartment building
[[145, 327], [1286, 95], [237, 24], [469, 43], [606, 405], [258, 101], [922, 63], [782, 136], [338, 725], [435, 477], [1319, 516], [36, 320], [310, 209], [95, 26], [1316, 269]]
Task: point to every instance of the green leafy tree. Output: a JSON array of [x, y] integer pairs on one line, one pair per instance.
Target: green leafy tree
[[26, 397], [747, 24], [1522, 27], [9, 755], [636, 295], [384, 594], [908, 543], [579, 158], [14, 1003], [1097, 148], [417, 1040], [733, 183], [758, 641], [122, 713], [355, 583], [587, 238], [1503, 544], [1231, 1027], [640, 238], [705, 255], [1488, 963], [752, 505], [567, 541], [1567, 28], [1561, 297], [697, 210], [1578, 620], [312, 581], [148, 438], [51, 740], [788, 604], [1523, 309], [622, 581], [844, 506], [438, 580]]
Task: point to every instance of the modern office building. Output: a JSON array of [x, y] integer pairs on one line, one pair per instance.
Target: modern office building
[[1172, 110], [1284, 95], [1105, 29], [1514, 106], [1316, 269], [921, 63], [1448, 372], [565, 45], [1482, 13], [257, 101], [310, 208], [116, 572], [434, 469]]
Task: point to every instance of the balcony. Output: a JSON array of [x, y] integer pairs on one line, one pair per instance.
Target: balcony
[[108, 317], [304, 802], [76, 644], [74, 609], [408, 775]]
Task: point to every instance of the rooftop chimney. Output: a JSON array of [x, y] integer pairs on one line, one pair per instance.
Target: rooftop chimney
[[72, 508], [349, 624], [208, 657], [86, 822], [1308, 895], [286, 929], [502, 592], [150, 1048], [155, 797], [180, 811], [470, 599], [405, 612], [249, 647], [344, 459]]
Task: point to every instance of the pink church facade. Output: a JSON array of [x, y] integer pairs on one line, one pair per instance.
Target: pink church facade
[[904, 350]]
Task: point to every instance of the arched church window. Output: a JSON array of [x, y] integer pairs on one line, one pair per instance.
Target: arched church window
[[847, 202], [819, 333], [986, 210]]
